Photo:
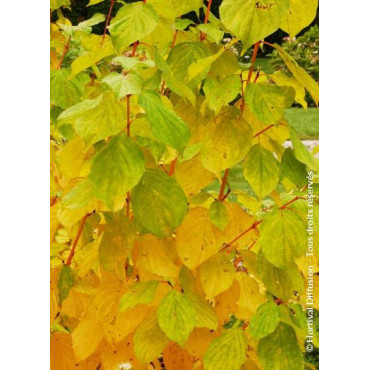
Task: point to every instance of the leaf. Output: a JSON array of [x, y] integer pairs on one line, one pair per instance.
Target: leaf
[[140, 293], [216, 275], [220, 93], [252, 20], [261, 170], [228, 351], [65, 282], [166, 126], [268, 102], [205, 238], [64, 92], [71, 158], [299, 73], [228, 140], [132, 63], [300, 15], [183, 7], [218, 215], [265, 320], [292, 169], [249, 298], [61, 353], [123, 85], [86, 338], [116, 169], [79, 196], [149, 340], [302, 154], [159, 203], [204, 313], [154, 259], [95, 119], [176, 316], [131, 23], [115, 244], [182, 56], [280, 350], [94, 2], [283, 80], [92, 56], [282, 238]]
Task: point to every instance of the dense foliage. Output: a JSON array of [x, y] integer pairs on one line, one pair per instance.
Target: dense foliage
[[179, 222]]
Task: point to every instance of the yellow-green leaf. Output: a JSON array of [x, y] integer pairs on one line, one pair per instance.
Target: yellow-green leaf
[[159, 203], [228, 140], [176, 316], [261, 170], [267, 102], [95, 119], [149, 340], [124, 84], [166, 126], [280, 350], [116, 169], [219, 215], [204, 313], [265, 320], [300, 15], [302, 154], [252, 20], [283, 237], [228, 351], [65, 282], [140, 293], [131, 23], [216, 275]]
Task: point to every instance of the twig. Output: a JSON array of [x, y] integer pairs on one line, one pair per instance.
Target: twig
[[66, 47], [223, 185], [203, 35], [107, 21]]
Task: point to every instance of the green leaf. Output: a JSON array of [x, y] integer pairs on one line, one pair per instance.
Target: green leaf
[[79, 196], [116, 169], [300, 15], [159, 203], [149, 340], [128, 63], [140, 293], [292, 169], [93, 55], [213, 32], [183, 55], [283, 237], [218, 215], [183, 7], [176, 316], [268, 102], [117, 241], [252, 20], [63, 92], [65, 282], [220, 93], [280, 350], [181, 24], [228, 140], [299, 73], [261, 170], [166, 126], [216, 275], [265, 320], [204, 313], [131, 23], [302, 154], [56, 4], [276, 280], [228, 351], [124, 84], [96, 119], [94, 2]]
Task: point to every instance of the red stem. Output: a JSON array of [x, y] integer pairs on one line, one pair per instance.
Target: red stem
[[172, 168], [107, 21], [202, 34], [66, 47], [134, 47], [128, 115], [174, 39], [262, 131], [79, 232], [223, 185]]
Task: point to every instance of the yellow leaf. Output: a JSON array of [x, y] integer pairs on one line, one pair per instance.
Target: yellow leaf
[[154, 259], [86, 338], [197, 238], [61, 353]]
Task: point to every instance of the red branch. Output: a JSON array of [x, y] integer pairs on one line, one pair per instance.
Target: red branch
[[223, 185], [79, 232], [134, 47], [172, 168], [262, 131], [66, 47], [202, 34], [107, 21]]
